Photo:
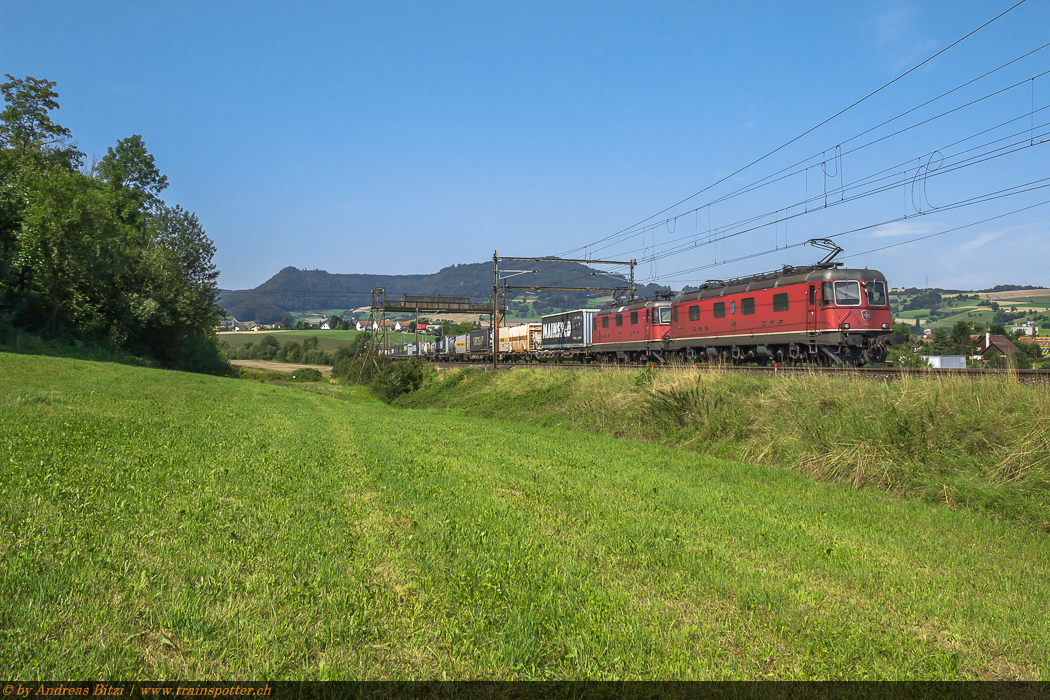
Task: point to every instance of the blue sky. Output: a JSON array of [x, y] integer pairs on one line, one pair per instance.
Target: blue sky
[[401, 137]]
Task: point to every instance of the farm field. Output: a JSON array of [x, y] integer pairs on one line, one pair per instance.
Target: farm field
[[163, 525], [286, 367], [1038, 296]]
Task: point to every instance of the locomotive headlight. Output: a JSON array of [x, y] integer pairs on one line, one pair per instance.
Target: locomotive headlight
[[885, 326], [844, 326]]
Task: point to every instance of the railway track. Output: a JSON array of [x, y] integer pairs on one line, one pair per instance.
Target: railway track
[[1024, 376]]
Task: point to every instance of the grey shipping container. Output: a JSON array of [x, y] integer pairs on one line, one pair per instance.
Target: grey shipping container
[[480, 341], [568, 330]]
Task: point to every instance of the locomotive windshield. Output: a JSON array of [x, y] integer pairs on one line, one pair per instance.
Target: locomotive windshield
[[877, 294], [665, 314], [847, 293]]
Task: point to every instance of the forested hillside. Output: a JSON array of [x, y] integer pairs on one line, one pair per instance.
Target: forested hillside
[[89, 252], [292, 289]]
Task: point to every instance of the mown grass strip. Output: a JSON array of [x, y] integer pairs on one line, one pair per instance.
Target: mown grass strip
[[162, 525], [983, 445]]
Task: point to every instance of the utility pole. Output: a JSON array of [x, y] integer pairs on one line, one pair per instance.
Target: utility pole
[[495, 308]]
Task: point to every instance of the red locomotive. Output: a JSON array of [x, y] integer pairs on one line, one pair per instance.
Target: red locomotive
[[634, 332], [816, 313]]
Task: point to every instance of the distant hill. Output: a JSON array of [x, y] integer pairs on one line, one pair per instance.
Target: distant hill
[[293, 289]]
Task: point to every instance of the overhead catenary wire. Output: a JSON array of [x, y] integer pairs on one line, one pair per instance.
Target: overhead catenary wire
[[783, 174], [971, 201], [812, 129], [732, 230]]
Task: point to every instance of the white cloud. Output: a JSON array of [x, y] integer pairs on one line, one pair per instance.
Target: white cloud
[[895, 24], [985, 237], [897, 33]]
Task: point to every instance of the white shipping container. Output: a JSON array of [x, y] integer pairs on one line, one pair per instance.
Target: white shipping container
[[947, 361], [520, 339]]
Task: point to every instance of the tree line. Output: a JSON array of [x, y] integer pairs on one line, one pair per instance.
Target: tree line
[[269, 349], [89, 252]]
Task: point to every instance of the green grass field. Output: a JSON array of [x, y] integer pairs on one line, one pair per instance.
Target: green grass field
[[981, 444], [163, 525]]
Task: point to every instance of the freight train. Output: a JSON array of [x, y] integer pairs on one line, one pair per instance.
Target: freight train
[[819, 314]]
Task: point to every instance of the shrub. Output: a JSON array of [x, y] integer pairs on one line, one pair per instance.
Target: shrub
[[306, 374], [398, 378]]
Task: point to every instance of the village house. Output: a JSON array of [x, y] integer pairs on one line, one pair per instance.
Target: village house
[[994, 343]]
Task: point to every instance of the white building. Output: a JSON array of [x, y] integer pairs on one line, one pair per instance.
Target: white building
[[1029, 329]]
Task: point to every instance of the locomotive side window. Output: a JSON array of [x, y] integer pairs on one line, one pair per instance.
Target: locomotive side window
[[694, 312], [619, 319], [665, 314], [605, 321], [719, 310], [877, 293], [847, 293], [634, 318], [747, 306], [826, 295], [780, 301], [674, 314], [812, 295]]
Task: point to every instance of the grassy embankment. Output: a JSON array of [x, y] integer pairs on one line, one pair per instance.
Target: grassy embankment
[[157, 524], [981, 444]]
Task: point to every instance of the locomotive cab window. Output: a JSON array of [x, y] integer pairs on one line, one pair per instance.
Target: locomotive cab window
[[780, 301], [634, 318], [847, 293], [747, 306], [674, 314], [719, 310], [826, 295], [619, 319], [665, 315], [605, 321], [877, 294], [694, 312]]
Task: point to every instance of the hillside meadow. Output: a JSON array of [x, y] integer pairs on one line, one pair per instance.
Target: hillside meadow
[[982, 443], [162, 525]]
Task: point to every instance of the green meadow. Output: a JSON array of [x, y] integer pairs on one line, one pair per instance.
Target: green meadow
[[978, 443], [162, 525]]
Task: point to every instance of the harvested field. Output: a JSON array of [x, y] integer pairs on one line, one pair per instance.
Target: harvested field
[[325, 370]]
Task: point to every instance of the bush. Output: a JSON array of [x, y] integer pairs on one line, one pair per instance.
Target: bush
[[398, 378], [306, 374], [903, 356]]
